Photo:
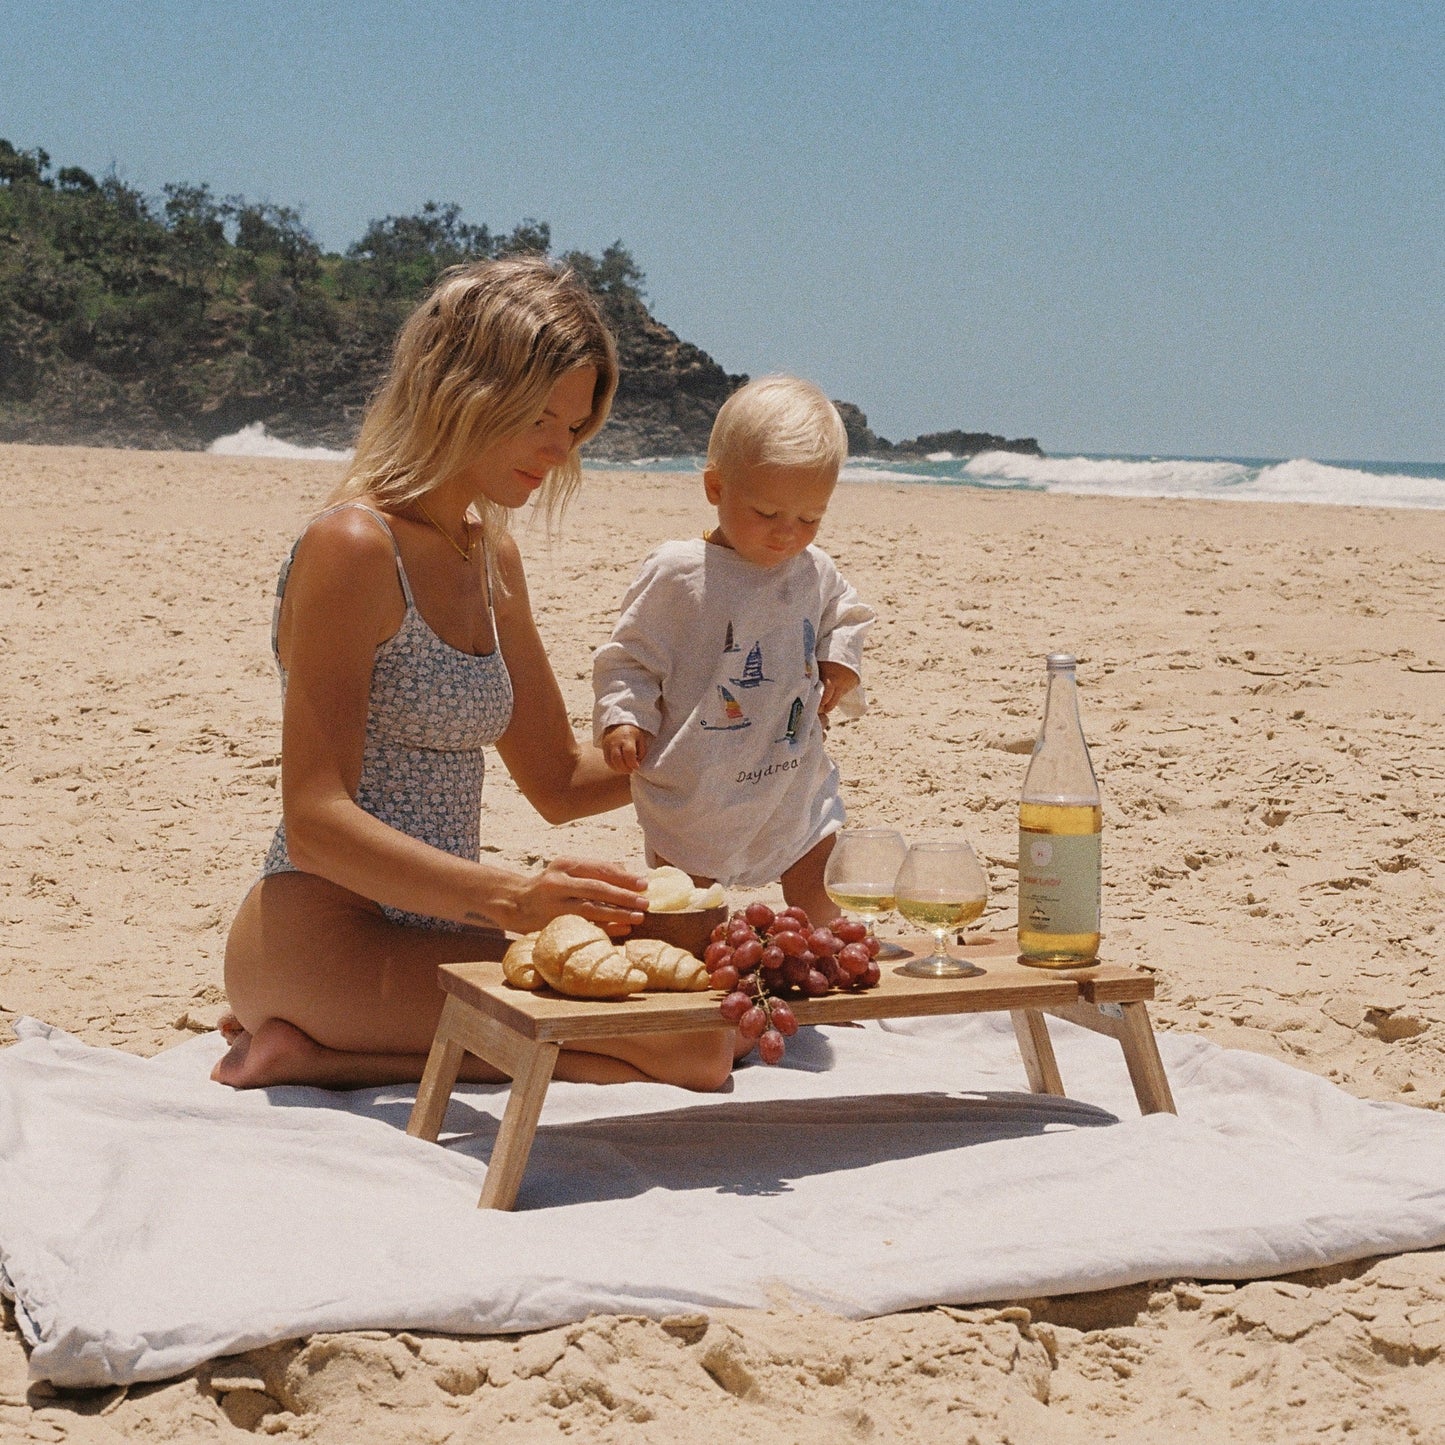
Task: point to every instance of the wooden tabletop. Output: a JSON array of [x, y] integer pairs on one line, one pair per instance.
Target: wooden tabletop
[[1003, 983]]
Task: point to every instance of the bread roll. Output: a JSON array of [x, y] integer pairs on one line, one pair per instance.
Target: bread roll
[[667, 967], [558, 939], [518, 966], [600, 970], [578, 958]]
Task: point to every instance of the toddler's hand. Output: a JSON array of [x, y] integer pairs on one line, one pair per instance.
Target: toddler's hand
[[836, 680], [625, 747]]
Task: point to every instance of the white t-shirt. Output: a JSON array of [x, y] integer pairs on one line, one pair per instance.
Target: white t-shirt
[[717, 658]]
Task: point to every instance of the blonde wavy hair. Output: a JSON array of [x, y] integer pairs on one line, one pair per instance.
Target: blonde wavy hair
[[474, 363], [777, 421]]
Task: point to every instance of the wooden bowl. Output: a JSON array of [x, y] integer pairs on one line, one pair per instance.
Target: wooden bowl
[[682, 930]]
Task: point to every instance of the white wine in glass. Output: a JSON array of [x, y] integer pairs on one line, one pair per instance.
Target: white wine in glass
[[942, 887], [860, 873]]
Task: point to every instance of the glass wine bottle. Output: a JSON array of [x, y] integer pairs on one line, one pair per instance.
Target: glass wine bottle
[[1059, 824]]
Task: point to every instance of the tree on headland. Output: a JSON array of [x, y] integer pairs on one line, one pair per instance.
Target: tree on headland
[[614, 276], [403, 255], [19, 167], [264, 230], [196, 225]]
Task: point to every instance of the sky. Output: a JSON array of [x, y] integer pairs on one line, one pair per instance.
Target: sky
[[1198, 228]]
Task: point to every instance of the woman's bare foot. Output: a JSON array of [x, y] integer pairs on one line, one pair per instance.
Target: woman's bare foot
[[277, 1053], [280, 1053], [229, 1027]]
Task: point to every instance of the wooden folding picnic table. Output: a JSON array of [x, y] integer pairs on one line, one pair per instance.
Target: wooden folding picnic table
[[520, 1033]]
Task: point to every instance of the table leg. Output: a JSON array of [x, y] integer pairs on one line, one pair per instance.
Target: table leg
[[439, 1078], [1146, 1068], [1032, 1031], [519, 1126], [463, 1030], [1129, 1024]]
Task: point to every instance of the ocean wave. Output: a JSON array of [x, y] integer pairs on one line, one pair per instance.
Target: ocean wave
[[1303, 480], [863, 470], [1300, 479], [256, 441], [685, 464], [1112, 476]]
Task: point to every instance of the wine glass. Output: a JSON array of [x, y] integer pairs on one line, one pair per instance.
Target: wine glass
[[860, 873], [943, 887]]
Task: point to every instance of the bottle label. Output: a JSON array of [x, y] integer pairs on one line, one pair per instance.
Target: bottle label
[[1059, 882]]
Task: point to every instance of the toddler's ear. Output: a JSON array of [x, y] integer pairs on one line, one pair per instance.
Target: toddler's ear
[[712, 485]]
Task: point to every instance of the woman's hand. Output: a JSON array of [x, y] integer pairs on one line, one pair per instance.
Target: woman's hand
[[613, 897]]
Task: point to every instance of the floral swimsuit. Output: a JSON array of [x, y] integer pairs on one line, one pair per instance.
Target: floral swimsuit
[[432, 710]]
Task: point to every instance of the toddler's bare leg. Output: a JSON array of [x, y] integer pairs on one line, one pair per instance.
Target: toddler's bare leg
[[803, 883], [698, 880], [740, 1046]]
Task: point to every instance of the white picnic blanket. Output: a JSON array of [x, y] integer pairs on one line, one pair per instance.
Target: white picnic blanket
[[150, 1219]]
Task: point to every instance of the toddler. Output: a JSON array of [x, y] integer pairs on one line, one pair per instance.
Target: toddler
[[714, 690]]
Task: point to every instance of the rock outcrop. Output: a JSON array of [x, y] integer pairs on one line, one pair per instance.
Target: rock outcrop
[[863, 441], [668, 393]]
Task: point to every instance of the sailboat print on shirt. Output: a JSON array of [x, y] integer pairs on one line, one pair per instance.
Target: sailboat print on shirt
[[733, 716], [752, 669], [795, 718], [728, 644], [810, 646]]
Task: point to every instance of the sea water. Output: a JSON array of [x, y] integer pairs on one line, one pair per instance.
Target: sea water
[[1235, 479], [1239, 479]]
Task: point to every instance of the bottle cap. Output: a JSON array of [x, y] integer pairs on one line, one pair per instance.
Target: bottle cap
[[1061, 662]]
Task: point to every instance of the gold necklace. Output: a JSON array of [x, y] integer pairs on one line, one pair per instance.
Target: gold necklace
[[465, 553]]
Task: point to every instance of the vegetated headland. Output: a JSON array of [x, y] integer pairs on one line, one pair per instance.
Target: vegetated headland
[[133, 321]]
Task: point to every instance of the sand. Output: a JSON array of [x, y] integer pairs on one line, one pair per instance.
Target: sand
[[1262, 686]]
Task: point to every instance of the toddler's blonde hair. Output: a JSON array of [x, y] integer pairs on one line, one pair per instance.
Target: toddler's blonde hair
[[777, 421], [475, 363]]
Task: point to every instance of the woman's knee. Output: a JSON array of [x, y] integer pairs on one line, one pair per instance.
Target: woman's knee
[[703, 1062], [241, 961]]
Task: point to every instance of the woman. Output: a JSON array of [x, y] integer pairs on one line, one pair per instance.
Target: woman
[[406, 644]]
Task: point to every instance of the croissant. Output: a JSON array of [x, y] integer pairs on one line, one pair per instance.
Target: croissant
[[576, 957], [666, 966], [518, 966]]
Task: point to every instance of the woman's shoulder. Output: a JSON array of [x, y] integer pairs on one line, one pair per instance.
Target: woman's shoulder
[[503, 551], [341, 578], [358, 523], [352, 543], [504, 566]]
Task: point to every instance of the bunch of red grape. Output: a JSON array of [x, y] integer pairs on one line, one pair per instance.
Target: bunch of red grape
[[758, 958]]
